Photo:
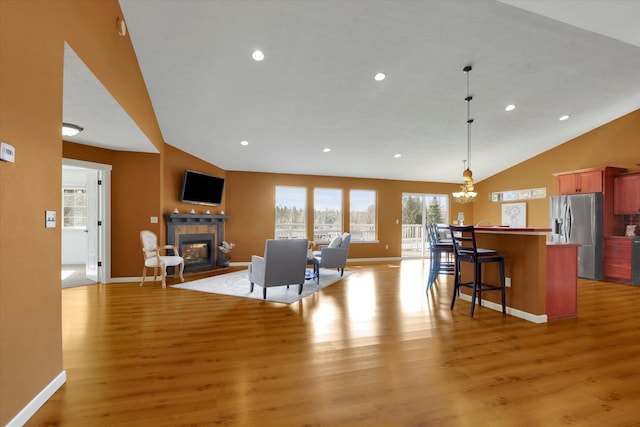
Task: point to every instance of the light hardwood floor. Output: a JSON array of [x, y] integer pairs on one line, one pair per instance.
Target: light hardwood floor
[[372, 350]]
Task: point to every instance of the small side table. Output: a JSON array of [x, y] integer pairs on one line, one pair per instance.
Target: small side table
[[314, 263]]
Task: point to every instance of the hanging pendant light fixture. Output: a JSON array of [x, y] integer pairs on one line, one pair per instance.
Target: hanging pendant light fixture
[[467, 192]]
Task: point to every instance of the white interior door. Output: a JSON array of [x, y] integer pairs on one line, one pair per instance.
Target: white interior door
[[93, 234]]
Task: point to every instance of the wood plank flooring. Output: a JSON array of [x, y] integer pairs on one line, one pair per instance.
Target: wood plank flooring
[[372, 350]]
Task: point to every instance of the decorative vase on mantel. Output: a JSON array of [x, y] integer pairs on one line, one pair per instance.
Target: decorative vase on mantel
[[225, 261]]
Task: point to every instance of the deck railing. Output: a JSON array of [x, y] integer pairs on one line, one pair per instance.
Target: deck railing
[[413, 238]]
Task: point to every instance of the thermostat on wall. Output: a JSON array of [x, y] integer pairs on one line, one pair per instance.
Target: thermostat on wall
[[7, 152]]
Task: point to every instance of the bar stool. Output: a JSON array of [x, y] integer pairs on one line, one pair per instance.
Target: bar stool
[[437, 249], [465, 250]]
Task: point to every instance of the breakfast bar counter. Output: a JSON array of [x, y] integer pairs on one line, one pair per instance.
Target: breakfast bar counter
[[543, 275]]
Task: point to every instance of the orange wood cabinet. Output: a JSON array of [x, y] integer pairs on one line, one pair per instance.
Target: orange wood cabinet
[[617, 258], [626, 194], [590, 181], [562, 281]]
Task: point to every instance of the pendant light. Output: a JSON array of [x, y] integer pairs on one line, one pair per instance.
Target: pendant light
[[467, 192]]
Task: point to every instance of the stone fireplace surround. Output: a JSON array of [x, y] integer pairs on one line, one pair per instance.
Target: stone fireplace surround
[[194, 227]]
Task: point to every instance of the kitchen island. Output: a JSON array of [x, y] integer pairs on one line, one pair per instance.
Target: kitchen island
[[543, 275]]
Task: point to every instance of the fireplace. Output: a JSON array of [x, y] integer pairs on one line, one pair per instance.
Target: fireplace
[[197, 238], [198, 251]]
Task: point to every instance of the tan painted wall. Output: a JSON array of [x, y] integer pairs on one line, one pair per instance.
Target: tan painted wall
[[30, 313], [614, 144], [250, 200], [135, 198], [32, 36]]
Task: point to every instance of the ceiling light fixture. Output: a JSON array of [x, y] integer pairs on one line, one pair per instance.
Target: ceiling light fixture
[[257, 55], [326, 150], [244, 142], [563, 118], [69, 129], [467, 191], [510, 107], [397, 156], [380, 77]]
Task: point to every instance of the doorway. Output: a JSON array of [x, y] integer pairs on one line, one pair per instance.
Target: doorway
[[418, 210], [84, 222]]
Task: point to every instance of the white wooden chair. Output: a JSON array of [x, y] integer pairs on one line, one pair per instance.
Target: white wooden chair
[[152, 257]]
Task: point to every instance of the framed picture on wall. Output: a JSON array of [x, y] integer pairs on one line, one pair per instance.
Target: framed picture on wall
[[514, 215]]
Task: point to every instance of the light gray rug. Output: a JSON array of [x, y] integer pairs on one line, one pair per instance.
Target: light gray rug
[[237, 284]]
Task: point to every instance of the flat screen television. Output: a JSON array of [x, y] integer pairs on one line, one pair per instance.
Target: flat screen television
[[201, 188]]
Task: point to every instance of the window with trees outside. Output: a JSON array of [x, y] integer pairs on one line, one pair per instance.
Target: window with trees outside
[[291, 213], [327, 214], [74, 207], [362, 212]]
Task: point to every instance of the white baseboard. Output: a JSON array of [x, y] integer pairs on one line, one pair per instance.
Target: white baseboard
[[535, 318], [36, 403]]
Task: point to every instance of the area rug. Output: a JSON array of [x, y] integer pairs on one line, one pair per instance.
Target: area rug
[[237, 284]]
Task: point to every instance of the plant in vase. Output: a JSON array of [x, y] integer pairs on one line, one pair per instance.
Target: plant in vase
[[226, 248]]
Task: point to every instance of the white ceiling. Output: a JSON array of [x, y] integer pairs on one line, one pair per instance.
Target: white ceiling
[[315, 88]]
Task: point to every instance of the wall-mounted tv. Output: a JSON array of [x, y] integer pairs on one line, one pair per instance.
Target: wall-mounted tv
[[201, 188]]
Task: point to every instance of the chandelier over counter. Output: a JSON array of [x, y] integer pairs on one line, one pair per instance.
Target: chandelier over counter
[[467, 190]]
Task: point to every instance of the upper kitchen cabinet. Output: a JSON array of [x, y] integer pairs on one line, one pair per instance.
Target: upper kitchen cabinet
[[626, 194], [592, 180], [579, 182]]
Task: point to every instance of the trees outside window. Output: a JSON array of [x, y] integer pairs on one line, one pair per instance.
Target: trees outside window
[[327, 214], [74, 206], [291, 213], [363, 215]]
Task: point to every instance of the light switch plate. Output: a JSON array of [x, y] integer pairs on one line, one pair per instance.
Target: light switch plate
[[154, 220], [50, 219]]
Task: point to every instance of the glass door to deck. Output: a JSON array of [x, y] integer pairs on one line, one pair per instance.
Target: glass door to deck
[[418, 210]]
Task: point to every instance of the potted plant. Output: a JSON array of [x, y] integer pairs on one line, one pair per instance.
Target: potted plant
[[226, 248]]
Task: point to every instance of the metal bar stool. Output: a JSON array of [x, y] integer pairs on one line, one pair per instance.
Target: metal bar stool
[[465, 250]]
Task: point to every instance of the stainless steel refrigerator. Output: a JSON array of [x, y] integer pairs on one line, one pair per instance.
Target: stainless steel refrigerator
[[577, 218]]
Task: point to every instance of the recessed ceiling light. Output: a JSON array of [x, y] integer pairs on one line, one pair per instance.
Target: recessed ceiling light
[[257, 55], [326, 150], [510, 107], [244, 142], [395, 156], [563, 118], [379, 77]]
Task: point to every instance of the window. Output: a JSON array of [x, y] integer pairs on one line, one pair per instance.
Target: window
[[291, 213], [363, 215], [327, 214], [74, 204], [533, 193]]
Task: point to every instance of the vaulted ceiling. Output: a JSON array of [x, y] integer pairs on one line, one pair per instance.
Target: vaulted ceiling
[[315, 88]]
